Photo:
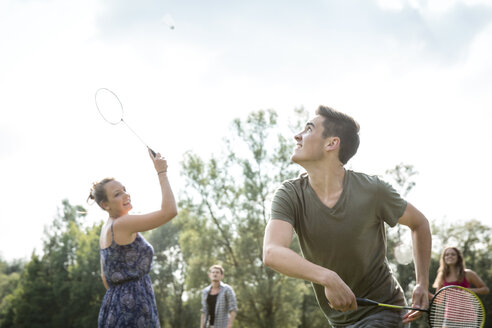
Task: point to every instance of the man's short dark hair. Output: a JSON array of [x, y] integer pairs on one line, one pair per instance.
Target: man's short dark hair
[[343, 126]]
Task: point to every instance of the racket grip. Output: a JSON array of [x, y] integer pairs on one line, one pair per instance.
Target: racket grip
[[365, 301]]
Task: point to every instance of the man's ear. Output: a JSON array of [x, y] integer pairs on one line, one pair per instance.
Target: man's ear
[[332, 143]]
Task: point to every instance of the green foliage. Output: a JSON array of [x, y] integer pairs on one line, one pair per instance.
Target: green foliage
[[168, 279], [472, 237], [85, 285], [222, 217], [29, 304], [10, 274], [311, 315], [225, 216], [402, 175], [61, 288]]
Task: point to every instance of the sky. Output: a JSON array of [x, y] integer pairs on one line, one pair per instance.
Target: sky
[[415, 74]]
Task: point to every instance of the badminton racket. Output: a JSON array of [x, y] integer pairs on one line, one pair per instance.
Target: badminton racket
[[451, 307], [111, 109]]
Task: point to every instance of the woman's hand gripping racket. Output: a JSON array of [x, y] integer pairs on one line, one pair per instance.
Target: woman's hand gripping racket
[[451, 307], [111, 109]]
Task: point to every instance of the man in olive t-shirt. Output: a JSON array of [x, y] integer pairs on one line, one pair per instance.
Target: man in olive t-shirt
[[339, 217]]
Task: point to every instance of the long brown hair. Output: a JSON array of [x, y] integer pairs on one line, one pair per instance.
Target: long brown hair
[[443, 270]]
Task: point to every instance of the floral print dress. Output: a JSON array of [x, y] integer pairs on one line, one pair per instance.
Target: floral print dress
[[129, 301]]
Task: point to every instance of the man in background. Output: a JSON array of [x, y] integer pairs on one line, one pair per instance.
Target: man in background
[[219, 304]]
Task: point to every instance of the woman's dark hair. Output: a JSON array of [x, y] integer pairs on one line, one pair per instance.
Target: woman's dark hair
[[98, 191], [338, 124]]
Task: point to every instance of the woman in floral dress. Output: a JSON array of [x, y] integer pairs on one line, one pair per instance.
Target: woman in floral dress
[[126, 257]]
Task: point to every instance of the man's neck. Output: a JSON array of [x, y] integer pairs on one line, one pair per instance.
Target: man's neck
[[215, 284], [327, 181]]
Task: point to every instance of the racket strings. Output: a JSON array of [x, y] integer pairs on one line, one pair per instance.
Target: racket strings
[[456, 308], [111, 109], [109, 106]]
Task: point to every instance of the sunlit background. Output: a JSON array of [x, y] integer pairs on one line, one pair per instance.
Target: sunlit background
[[416, 75]]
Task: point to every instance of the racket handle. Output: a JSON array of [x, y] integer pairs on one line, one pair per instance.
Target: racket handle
[[153, 152], [365, 301]]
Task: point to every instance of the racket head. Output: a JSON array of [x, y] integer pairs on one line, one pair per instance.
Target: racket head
[[455, 307], [109, 106]]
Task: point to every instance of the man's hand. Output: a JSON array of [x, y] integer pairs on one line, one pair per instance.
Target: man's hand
[[339, 295], [420, 300]]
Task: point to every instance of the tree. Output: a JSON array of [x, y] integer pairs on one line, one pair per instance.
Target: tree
[[168, 280], [221, 220], [399, 243], [29, 304], [61, 288], [473, 238], [86, 289], [224, 216], [9, 279]]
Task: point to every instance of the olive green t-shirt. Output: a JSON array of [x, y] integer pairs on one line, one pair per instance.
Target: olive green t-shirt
[[348, 238]]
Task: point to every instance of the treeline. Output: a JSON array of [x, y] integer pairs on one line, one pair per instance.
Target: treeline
[[221, 219]]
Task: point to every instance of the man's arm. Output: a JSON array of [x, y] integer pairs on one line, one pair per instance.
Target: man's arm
[[202, 320], [230, 321], [422, 244], [231, 306], [278, 256]]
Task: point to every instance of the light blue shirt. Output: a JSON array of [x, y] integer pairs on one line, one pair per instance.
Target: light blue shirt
[[226, 302]]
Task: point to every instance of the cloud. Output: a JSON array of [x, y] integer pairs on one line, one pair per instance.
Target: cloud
[[9, 142], [444, 29], [119, 19]]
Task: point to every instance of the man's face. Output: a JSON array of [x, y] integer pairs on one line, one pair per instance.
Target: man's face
[[215, 275], [310, 142]]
